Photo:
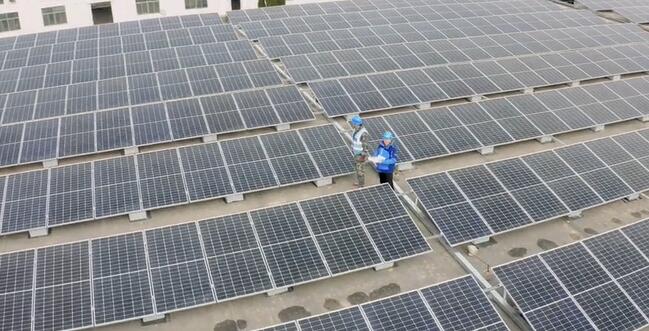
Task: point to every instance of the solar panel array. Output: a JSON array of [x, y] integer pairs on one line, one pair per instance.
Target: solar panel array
[[112, 279], [399, 16], [600, 283], [480, 201], [109, 30], [88, 133], [457, 304], [337, 7], [375, 92], [59, 56], [432, 133], [63, 71], [635, 10], [441, 31], [419, 54], [138, 89], [118, 186]]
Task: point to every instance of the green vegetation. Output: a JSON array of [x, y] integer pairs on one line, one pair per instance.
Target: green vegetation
[[268, 3]]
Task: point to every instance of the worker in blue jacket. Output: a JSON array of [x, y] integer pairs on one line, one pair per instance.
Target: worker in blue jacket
[[385, 158]]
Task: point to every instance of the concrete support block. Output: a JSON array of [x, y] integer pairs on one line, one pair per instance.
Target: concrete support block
[[597, 128], [575, 83], [138, 216], [283, 127], [50, 163], [644, 118], [277, 291], [130, 150], [423, 105], [528, 90], [210, 138], [616, 77], [349, 117], [40, 232], [383, 266], [634, 196], [475, 98], [405, 166], [233, 198], [486, 150], [482, 240], [323, 182], [575, 214], [153, 318], [544, 139]]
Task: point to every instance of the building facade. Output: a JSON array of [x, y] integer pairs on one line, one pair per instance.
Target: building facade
[[32, 16]]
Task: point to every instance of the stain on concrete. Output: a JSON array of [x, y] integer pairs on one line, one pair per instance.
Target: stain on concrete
[[357, 298], [590, 231], [645, 211], [227, 325], [517, 252], [385, 291], [636, 214], [292, 313], [616, 220], [548, 244], [242, 324], [331, 304]]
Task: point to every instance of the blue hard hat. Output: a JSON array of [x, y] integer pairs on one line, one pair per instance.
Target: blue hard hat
[[387, 135], [357, 120]]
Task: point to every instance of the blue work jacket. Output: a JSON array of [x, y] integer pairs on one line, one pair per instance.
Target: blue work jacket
[[390, 155]]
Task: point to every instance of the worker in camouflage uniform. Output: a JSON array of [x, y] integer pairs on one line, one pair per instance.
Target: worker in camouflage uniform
[[360, 147]]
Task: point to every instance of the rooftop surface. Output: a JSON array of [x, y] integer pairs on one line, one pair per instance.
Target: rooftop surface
[[443, 263]]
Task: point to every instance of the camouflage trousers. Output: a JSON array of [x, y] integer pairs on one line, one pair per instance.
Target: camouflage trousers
[[359, 166]]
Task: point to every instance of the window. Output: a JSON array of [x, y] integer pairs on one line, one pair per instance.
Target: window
[[54, 15], [9, 21], [191, 4], [147, 6]]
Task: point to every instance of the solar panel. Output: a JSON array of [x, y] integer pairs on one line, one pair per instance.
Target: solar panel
[[16, 291], [598, 286], [120, 278], [54, 285], [178, 263], [25, 201], [160, 179], [70, 194], [461, 305], [479, 201]]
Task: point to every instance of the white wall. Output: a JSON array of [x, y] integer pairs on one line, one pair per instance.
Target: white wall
[[79, 12]]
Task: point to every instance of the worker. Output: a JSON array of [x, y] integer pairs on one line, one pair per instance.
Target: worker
[[360, 147], [385, 158]]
